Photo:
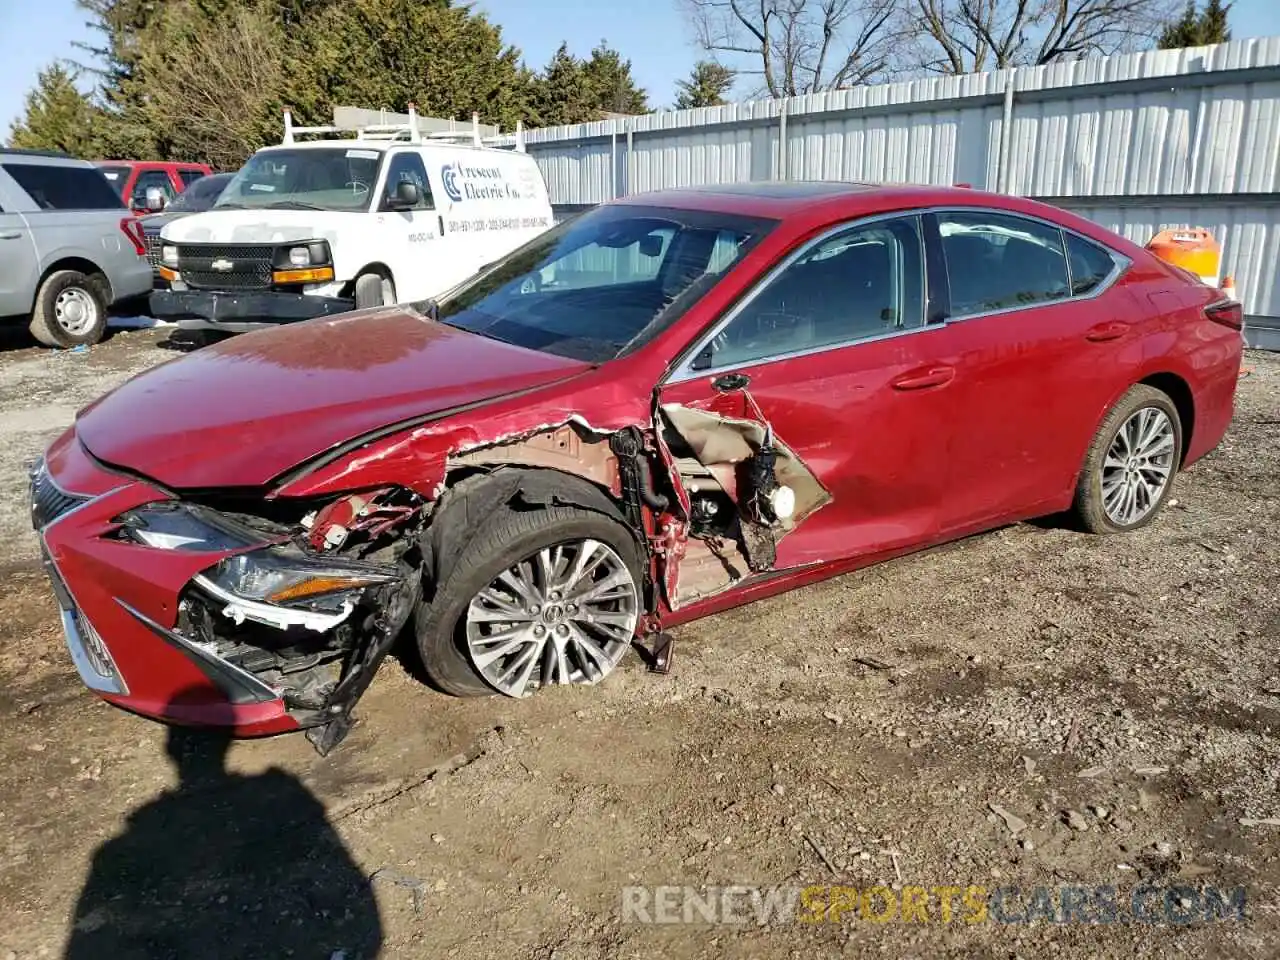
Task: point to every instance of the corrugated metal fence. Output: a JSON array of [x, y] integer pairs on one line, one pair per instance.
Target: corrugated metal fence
[[1137, 143]]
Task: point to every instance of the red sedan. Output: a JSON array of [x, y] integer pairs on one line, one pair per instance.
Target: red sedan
[[670, 405]]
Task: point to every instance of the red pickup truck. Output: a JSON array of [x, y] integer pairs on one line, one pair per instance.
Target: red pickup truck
[[132, 178]]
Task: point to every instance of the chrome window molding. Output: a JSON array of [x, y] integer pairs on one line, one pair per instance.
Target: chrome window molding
[[683, 371]]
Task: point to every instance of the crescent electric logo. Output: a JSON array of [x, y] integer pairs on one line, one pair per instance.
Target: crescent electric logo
[[449, 173]]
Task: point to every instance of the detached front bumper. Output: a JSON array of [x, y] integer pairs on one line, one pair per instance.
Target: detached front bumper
[[241, 311], [118, 604]]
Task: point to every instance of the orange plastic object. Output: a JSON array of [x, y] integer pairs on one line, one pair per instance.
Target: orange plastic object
[[1192, 249]]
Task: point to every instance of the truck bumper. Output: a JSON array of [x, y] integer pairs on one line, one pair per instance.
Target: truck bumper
[[240, 312]]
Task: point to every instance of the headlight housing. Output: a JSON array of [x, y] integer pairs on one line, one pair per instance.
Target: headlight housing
[[288, 578], [308, 253], [267, 574]]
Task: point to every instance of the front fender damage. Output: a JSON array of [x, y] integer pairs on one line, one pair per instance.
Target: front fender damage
[[695, 490]]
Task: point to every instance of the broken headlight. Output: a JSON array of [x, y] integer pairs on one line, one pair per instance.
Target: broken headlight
[[181, 526], [284, 577]]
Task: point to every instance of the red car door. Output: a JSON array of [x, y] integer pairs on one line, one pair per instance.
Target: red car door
[[1041, 342], [832, 353]]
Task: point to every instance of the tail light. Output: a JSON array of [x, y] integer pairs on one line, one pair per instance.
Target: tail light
[[1229, 313], [132, 228]]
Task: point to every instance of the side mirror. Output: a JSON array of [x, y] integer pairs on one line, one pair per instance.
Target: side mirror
[[155, 200], [406, 196]]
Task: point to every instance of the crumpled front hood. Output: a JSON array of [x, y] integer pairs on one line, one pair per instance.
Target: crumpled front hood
[[243, 411], [256, 226]]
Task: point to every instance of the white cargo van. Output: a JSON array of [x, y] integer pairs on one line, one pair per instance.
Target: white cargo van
[[317, 227]]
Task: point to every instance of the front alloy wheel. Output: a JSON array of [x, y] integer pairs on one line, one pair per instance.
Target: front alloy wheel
[[566, 614]]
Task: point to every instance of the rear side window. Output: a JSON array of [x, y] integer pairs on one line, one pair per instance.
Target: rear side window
[[117, 177], [189, 177], [64, 188], [998, 262], [1090, 265]]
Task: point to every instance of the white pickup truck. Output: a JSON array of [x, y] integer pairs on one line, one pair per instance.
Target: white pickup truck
[[318, 227]]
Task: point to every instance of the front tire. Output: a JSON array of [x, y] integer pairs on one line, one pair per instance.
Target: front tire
[[374, 290], [541, 597], [70, 309], [1129, 470]]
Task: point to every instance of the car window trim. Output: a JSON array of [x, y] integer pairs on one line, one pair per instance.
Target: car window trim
[[683, 371], [1120, 263]]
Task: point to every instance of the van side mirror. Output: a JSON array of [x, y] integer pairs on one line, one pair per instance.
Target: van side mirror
[[406, 196]]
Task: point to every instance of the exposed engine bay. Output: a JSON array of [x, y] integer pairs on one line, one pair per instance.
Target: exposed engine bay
[[313, 595]]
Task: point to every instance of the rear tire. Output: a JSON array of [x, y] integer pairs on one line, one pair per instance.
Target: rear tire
[[510, 537], [374, 290], [1129, 470], [70, 309]]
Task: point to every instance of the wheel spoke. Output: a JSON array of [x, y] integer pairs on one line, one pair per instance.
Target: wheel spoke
[[1137, 466], [587, 609]]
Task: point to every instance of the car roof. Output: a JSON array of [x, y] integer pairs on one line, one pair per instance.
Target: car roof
[[782, 199], [47, 157]]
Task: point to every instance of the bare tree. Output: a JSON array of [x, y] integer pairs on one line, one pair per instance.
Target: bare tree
[[798, 46], [967, 36]]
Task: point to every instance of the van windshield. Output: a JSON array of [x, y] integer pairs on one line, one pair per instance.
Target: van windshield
[[338, 178], [604, 283]]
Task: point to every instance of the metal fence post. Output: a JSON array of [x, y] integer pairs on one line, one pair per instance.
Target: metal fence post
[[613, 162], [783, 164], [626, 173], [1003, 173]]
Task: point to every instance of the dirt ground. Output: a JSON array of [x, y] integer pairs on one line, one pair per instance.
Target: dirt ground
[[1117, 699]]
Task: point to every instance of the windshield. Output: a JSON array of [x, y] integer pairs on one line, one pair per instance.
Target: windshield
[[603, 283], [338, 178], [200, 195]]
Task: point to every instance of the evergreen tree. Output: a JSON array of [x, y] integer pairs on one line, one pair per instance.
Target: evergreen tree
[[611, 87], [57, 117], [1197, 29], [706, 86]]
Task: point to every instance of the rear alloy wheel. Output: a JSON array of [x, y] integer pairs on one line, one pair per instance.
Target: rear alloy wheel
[[538, 598], [1130, 468]]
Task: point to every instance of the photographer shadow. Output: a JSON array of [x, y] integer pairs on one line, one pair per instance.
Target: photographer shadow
[[225, 865]]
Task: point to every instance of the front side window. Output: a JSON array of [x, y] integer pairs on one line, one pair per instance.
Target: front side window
[[998, 262], [605, 282], [58, 187], [408, 168], [860, 283], [305, 178]]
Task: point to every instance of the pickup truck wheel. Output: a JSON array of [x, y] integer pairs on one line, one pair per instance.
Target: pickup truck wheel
[[70, 309], [374, 290], [539, 598]]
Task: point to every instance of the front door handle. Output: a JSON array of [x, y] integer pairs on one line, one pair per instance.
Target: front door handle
[[933, 377], [1107, 331], [10, 236]]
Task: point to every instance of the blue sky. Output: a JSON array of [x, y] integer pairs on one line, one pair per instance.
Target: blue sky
[[652, 33]]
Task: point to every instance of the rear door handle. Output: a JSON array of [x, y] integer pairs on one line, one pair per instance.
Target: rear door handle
[[1107, 331], [933, 377], [10, 236]]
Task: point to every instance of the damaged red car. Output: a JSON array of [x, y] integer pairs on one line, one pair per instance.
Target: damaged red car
[[672, 404]]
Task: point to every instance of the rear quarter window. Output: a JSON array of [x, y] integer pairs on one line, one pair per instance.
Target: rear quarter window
[[1090, 265], [57, 187]]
